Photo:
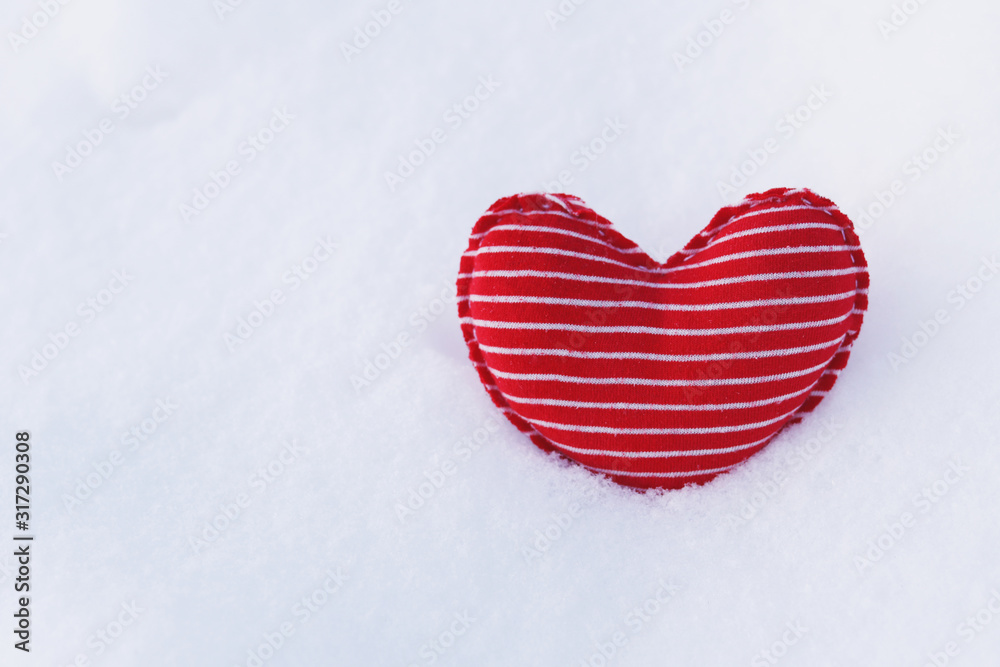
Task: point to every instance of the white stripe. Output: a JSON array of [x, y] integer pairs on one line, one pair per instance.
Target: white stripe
[[765, 252], [649, 356], [663, 407], [647, 305], [611, 430], [557, 200], [551, 251], [667, 454], [656, 331], [693, 473], [539, 228], [736, 280], [749, 214], [764, 230], [651, 382], [557, 230]]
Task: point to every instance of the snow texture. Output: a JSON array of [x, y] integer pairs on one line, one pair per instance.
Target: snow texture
[[877, 544]]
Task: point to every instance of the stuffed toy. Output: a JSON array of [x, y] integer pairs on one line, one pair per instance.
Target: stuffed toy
[[660, 375]]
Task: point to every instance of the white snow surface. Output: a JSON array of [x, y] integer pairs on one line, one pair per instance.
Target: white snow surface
[[877, 544]]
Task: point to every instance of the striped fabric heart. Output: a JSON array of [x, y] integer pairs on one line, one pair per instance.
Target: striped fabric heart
[[661, 375]]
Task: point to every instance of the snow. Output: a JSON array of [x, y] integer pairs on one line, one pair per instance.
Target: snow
[[718, 573]]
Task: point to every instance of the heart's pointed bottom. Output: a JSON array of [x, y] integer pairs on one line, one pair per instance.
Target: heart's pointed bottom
[[661, 375]]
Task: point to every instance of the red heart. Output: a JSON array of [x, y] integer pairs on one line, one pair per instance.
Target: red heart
[[661, 375]]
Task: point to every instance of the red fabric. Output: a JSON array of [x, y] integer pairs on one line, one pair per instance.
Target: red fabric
[[661, 375]]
